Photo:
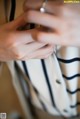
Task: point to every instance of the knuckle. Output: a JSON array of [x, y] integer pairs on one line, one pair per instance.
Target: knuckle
[[39, 36], [18, 56]]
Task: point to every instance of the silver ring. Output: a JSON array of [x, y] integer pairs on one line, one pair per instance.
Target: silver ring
[[42, 9]]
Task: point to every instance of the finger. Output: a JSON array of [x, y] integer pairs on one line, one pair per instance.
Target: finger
[[21, 37], [53, 38], [44, 56], [30, 36], [43, 19], [25, 37], [17, 38], [51, 6], [32, 47], [15, 24], [42, 52], [23, 50]]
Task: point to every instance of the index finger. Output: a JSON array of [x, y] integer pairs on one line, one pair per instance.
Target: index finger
[[46, 20]]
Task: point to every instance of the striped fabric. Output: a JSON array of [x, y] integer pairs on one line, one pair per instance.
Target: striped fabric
[[55, 81]]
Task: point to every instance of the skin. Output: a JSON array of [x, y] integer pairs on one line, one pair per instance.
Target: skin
[[64, 22], [63, 29], [21, 45]]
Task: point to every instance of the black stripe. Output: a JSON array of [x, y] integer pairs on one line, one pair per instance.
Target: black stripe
[[48, 83], [27, 97], [74, 106], [30, 107], [73, 92], [49, 88], [43, 105], [25, 69], [23, 62], [37, 93], [13, 7], [68, 60], [71, 77]]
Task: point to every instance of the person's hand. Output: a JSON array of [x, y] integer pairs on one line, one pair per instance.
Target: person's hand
[[20, 45], [63, 20]]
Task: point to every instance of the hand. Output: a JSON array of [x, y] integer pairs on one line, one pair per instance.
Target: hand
[[63, 20], [20, 45]]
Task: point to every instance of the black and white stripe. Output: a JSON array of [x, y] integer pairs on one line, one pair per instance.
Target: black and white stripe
[[47, 80]]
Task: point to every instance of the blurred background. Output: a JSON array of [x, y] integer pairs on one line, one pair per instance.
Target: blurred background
[[9, 101]]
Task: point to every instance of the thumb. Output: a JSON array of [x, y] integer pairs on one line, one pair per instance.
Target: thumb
[[18, 22]]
